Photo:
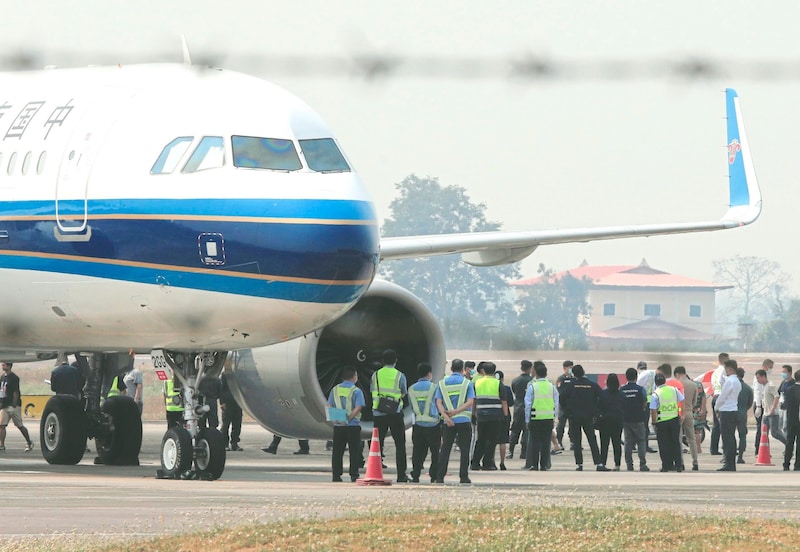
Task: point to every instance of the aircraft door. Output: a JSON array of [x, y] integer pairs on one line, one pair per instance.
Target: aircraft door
[[80, 154]]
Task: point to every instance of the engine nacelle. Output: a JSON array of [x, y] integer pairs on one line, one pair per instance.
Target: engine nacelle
[[285, 386]]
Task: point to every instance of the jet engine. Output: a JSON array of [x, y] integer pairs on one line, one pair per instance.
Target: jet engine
[[285, 386]]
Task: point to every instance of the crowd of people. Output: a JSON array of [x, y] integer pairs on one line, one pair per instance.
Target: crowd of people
[[473, 410]]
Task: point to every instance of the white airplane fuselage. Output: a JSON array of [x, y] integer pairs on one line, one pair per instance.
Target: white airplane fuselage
[[172, 207]]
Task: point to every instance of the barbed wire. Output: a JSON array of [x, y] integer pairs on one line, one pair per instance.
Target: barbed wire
[[372, 67]]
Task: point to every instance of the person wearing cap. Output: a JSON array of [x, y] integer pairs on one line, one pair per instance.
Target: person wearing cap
[[518, 426], [580, 400], [561, 384], [426, 434], [349, 398], [667, 421], [646, 380], [454, 399], [727, 409]]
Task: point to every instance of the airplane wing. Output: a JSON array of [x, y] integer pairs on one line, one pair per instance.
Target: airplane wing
[[496, 248]]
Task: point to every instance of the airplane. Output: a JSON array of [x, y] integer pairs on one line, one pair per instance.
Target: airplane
[[211, 219]]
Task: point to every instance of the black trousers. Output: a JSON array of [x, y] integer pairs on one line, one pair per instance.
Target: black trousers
[[488, 432], [539, 453], [562, 425], [424, 439], [741, 429], [395, 424], [350, 437], [792, 446], [461, 434], [585, 425], [727, 428], [759, 420], [715, 429], [232, 420], [611, 431], [519, 429], [668, 434]]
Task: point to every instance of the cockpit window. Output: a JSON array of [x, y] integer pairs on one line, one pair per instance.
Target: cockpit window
[[323, 155], [209, 154], [265, 153], [171, 154]]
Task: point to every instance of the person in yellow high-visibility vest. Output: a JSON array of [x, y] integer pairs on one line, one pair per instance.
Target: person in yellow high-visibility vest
[[390, 383], [349, 398], [491, 408], [174, 404], [667, 421], [454, 398], [426, 434]]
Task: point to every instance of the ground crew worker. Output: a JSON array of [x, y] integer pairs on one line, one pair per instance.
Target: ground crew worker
[[65, 379], [118, 387], [491, 408], [174, 404], [454, 399], [541, 409], [667, 421], [426, 435], [349, 398], [388, 382]]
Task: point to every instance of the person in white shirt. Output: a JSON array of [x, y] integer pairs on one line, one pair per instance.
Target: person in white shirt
[[759, 408], [717, 380], [727, 408]]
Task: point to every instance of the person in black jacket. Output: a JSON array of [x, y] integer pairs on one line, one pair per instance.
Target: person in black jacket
[[610, 421], [580, 400]]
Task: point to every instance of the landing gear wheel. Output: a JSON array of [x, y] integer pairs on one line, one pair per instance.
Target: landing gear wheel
[[62, 433], [176, 452], [121, 446], [210, 461]]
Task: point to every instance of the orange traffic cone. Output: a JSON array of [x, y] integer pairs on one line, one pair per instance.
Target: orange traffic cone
[[764, 457], [374, 474]]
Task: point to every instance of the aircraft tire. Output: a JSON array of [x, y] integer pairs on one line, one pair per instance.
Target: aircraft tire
[[63, 430], [176, 452], [213, 464], [125, 441]]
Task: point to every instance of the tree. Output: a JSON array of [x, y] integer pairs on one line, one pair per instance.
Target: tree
[[782, 334], [758, 282], [555, 310], [472, 304]]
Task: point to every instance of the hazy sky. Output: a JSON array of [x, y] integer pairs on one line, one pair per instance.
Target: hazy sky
[[539, 154]]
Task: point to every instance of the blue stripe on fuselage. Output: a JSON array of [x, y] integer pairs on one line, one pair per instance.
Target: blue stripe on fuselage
[[327, 253]]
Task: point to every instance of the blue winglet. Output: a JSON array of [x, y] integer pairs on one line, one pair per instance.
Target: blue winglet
[[736, 142]]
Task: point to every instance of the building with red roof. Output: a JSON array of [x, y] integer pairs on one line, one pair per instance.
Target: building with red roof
[[636, 305]]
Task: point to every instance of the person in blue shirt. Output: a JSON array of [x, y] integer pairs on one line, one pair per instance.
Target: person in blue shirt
[[426, 434], [350, 398], [454, 398]]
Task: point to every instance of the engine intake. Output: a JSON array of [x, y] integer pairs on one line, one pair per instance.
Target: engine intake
[[285, 386]]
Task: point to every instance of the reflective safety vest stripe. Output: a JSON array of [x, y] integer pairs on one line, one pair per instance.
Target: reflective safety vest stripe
[[173, 398], [543, 406], [487, 397], [667, 403], [344, 398], [386, 382], [459, 390], [422, 413], [113, 391]]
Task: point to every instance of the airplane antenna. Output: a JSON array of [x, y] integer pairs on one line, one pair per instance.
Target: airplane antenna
[[187, 59]]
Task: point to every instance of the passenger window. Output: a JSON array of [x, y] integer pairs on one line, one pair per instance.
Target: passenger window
[[265, 153], [171, 154], [26, 162], [323, 155], [40, 162], [12, 162], [209, 154]]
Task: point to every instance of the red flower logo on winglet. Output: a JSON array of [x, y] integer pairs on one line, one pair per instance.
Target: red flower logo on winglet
[[733, 148]]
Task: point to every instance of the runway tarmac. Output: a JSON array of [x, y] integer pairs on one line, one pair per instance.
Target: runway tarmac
[[101, 502]]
